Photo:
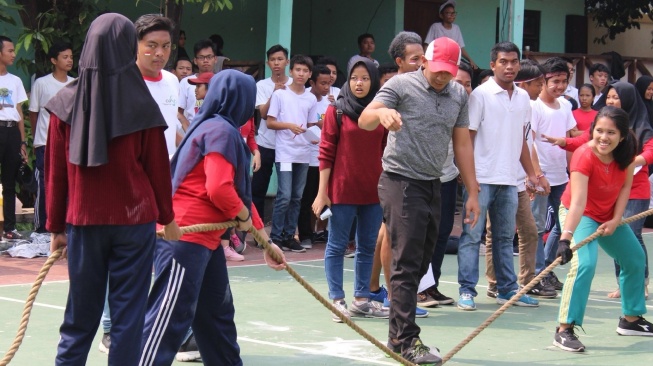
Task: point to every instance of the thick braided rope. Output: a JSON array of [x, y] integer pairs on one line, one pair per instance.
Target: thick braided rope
[[28, 307], [530, 285]]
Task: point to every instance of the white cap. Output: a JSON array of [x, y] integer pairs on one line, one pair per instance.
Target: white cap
[[446, 3]]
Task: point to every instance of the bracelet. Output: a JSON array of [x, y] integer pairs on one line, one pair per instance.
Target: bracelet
[[249, 216], [568, 232]]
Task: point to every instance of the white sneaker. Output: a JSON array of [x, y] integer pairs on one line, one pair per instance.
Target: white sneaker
[[231, 254], [342, 308]]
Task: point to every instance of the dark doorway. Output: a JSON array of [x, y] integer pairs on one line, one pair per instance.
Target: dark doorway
[[420, 14], [531, 31]]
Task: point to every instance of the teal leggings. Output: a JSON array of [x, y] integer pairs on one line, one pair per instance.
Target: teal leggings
[[624, 248]]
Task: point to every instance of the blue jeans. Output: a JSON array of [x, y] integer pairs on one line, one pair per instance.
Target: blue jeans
[[288, 201], [551, 246], [369, 221], [39, 206], [500, 202], [635, 207]]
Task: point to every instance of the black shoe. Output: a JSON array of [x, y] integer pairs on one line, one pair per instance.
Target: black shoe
[[293, 246], [568, 341], [540, 290], [395, 347], [640, 327], [321, 237], [188, 351], [105, 343], [438, 296], [554, 281], [492, 292], [420, 354], [12, 236]]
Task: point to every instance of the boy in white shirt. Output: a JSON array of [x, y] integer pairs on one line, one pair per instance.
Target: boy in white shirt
[[331, 64], [447, 28], [44, 88], [551, 117], [291, 110], [205, 60]]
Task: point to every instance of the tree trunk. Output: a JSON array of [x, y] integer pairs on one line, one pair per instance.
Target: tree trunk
[[173, 10]]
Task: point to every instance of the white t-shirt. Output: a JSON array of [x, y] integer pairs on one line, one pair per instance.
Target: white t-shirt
[[299, 109], [321, 108], [528, 136], [332, 91], [572, 91], [264, 90], [597, 97], [499, 123], [437, 30], [187, 99], [165, 92], [552, 122], [43, 89], [12, 92]]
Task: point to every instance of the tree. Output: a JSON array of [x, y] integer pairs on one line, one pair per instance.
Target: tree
[[617, 16]]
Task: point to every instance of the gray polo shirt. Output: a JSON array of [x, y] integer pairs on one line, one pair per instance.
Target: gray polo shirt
[[419, 149]]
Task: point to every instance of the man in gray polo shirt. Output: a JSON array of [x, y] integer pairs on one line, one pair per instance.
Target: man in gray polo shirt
[[423, 110]]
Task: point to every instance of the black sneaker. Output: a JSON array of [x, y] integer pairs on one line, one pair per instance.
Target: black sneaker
[[542, 291], [189, 351], [438, 296], [554, 281], [640, 327], [321, 237], [567, 340], [492, 292], [420, 354], [13, 235], [292, 245], [105, 343]]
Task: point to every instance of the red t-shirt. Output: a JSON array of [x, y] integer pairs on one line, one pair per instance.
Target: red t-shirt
[[583, 118], [605, 182], [247, 132]]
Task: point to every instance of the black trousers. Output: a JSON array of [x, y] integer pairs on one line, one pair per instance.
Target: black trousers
[[9, 163], [306, 210], [411, 211], [261, 180]]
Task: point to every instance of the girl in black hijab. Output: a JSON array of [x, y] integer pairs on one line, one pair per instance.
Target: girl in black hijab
[[108, 183], [644, 86], [350, 167]]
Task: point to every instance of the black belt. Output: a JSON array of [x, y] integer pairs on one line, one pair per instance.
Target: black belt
[[8, 123]]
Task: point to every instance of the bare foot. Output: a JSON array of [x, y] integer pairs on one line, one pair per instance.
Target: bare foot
[[615, 295]]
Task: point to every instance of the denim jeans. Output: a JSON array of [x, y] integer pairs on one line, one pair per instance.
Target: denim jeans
[[448, 196], [551, 246], [288, 201], [635, 207], [369, 221], [500, 202], [39, 206]]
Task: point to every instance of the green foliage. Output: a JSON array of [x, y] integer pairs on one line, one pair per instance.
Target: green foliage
[[4, 15], [617, 16], [207, 5]]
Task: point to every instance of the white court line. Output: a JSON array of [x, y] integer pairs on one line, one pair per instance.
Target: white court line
[[35, 304], [313, 351], [30, 283]]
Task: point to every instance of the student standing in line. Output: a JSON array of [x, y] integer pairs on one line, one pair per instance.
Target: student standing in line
[[595, 199], [205, 60], [366, 45], [447, 28], [584, 115], [599, 77], [61, 56]]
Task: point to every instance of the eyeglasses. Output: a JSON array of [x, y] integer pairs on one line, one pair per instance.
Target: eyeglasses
[[205, 58], [450, 13]]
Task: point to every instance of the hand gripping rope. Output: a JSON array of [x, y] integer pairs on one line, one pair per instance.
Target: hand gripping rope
[[326, 303]]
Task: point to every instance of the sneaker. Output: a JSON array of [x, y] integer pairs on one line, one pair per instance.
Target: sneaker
[[380, 295], [466, 302], [492, 292], [568, 341], [369, 309], [306, 244], [293, 246], [439, 297], [351, 250], [386, 303], [13, 235], [105, 343], [420, 354], [424, 299], [238, 245], [421, 313], [188, 351], [542, 291], [640, 327], [395, 347], [231, 255], [321, 237], [554, 281], [525, 300], [342, 308]]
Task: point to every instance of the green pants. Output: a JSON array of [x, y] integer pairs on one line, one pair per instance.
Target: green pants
[[624, 248]]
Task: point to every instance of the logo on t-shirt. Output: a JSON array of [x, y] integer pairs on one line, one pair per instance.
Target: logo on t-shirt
[[5, 98], [198, 104], [171, 100]]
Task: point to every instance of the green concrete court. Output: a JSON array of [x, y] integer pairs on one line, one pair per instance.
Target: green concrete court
[[281, 324]]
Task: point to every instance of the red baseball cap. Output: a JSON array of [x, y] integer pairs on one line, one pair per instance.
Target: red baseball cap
[[203, 78], [443, 54]]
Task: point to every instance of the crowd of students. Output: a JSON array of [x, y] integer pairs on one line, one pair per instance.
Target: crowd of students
[[382, 156]]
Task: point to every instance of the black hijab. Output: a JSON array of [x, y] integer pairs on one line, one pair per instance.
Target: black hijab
[[347, 101], [641, 85], [109, 98], [634, 106]]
